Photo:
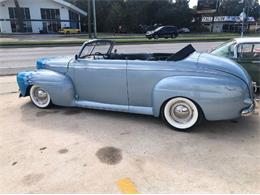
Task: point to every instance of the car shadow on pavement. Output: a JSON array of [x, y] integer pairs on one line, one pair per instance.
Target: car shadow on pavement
[[57, 117]]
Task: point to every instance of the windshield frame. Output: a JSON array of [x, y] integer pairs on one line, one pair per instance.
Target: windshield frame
[[227, 44], [93, 44]]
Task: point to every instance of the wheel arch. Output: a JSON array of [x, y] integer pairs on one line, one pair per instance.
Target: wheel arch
[[59, 86], [215, 96]]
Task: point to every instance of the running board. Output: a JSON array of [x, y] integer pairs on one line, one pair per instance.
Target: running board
[[114, 107]]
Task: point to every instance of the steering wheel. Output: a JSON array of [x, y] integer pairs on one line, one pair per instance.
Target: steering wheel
[[99, 54]]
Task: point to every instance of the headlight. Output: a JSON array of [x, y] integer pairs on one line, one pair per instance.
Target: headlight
[[149, 32]]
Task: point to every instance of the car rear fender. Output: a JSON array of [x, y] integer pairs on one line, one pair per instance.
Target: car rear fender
[[59, 86], [219, 98]]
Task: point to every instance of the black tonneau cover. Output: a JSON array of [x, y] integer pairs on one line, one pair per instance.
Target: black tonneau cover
[[182, 54]]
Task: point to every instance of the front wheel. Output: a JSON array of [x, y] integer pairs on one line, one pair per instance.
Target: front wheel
[[40, 97], [181, 113]]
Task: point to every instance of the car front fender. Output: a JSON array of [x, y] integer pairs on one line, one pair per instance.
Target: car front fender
[[219, 98], [59, 86]]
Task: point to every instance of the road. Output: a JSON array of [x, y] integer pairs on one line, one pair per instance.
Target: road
[[13, 60], [69, 150]]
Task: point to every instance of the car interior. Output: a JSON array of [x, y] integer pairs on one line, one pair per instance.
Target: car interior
[[180, 55], [103, 50]]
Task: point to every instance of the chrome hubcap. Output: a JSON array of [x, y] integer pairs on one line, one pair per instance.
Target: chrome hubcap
[[181, 112], [40, 96]]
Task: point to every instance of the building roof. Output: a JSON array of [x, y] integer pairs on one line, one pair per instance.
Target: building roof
[[71, 6], [247, 39], [67, 4]]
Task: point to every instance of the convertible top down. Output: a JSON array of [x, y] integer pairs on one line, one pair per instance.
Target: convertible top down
[[182, 88]]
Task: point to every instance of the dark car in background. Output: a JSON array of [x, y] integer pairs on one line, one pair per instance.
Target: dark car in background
[[162, 32]]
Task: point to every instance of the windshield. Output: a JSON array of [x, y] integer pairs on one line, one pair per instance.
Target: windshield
[[225, 49], [157, 29], [95, 48]]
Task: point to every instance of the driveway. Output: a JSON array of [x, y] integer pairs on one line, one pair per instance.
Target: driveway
[[69, 150]]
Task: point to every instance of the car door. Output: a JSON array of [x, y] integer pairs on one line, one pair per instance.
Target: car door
[[161, 32], [100, 80], [165, 31], [248, 55]]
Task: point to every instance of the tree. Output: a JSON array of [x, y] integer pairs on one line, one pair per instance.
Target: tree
[[19, 17], [234, 8], [132, 13]]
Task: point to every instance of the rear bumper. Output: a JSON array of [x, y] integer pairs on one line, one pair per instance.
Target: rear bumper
[[248, 111]]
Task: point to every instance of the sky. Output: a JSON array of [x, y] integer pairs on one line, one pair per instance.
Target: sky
[[193, 2]]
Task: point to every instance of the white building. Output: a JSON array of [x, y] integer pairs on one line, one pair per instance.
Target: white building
[[39, 15], [226, 23]]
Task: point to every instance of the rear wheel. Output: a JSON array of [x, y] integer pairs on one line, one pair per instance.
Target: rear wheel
[[181, 113], [40, 97]]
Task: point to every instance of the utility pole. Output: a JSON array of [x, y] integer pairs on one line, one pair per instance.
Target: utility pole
[[89, 19], [213, 16], [94, 18], [243, 19], [243, 16], [212, 23]]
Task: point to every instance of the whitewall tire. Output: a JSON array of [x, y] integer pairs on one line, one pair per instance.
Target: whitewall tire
[[181, 113], [40, 97]]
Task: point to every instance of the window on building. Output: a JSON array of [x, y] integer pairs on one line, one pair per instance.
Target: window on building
[[25, 14], [74, 19], [51, 19], [12, 12]]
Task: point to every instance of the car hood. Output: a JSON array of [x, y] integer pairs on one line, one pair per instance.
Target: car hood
[[208, 61], [58, 64]]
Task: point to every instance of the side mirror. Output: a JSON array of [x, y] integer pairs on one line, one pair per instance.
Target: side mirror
[[76, 57]]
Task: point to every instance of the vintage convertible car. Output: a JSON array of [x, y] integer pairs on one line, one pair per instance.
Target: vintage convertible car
[[182, 88]]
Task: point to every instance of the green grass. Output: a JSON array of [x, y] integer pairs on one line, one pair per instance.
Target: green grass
[[131, 39]]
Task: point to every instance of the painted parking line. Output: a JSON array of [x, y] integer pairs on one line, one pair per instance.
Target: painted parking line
[[126, 186]]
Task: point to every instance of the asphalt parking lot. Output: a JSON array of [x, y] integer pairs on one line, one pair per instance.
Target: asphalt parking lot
[[69, 150]]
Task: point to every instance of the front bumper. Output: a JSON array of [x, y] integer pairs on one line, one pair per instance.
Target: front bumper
[[248, 111]]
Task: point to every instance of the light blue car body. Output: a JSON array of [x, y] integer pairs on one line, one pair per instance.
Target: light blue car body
[[219, 86]]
